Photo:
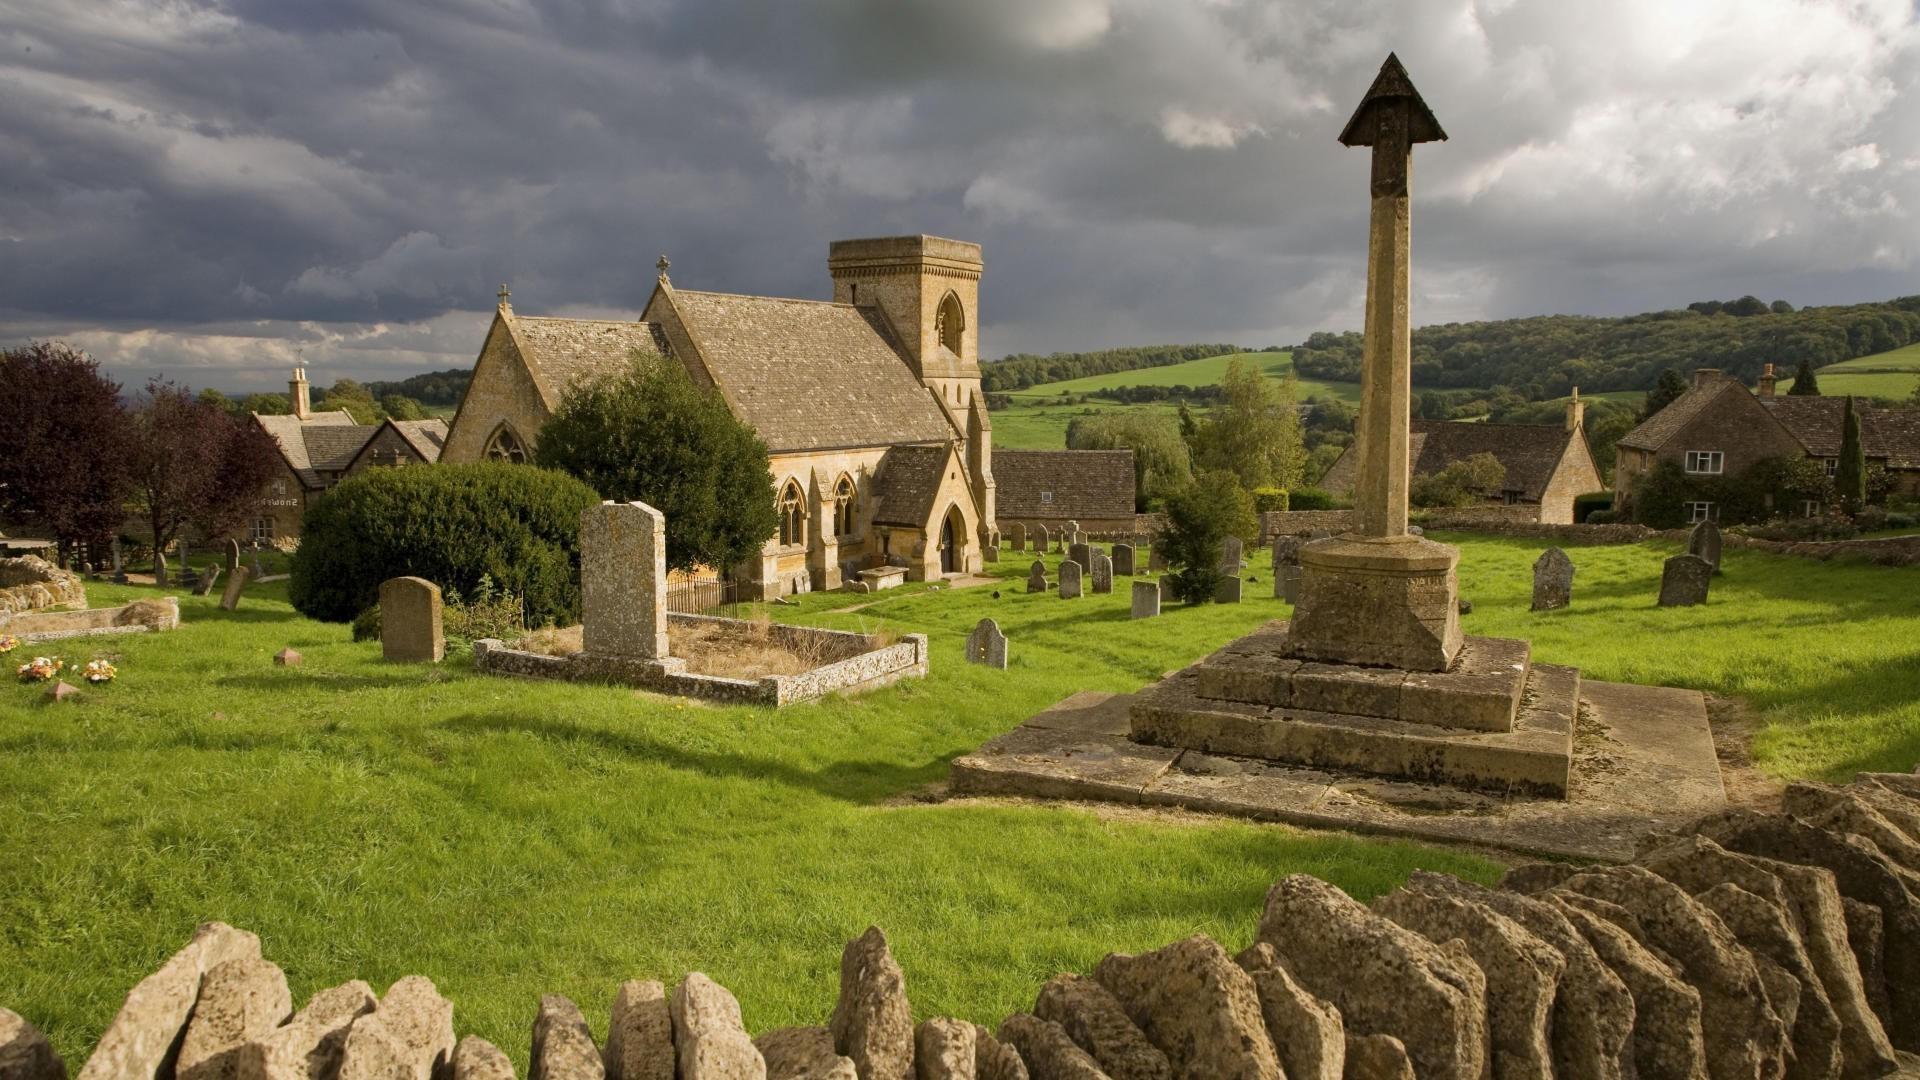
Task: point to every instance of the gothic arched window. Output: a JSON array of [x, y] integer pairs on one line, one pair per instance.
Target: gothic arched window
[[951, 323], [506, 446], [844, 510], [793, 515]]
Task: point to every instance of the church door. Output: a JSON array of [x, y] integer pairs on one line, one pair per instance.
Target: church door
[[946, 545]]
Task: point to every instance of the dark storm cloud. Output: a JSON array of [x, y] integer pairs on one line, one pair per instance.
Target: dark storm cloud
[[217, 188]]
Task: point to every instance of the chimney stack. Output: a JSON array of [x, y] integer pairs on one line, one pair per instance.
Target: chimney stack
[[1704, 375], [1576, 412], [1767, 381], [297, 395]]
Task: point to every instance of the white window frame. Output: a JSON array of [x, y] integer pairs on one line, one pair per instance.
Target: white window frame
[[1046, 498], [1698, 512], [1705, 462], [1810, 508], [262, 530], [1833, 467]]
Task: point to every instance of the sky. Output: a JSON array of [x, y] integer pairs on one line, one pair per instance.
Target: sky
[[219, 189]]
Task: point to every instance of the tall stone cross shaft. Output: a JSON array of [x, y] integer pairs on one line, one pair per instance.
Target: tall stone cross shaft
[[1391, 118]]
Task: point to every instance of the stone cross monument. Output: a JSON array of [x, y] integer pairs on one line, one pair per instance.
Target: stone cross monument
[[1378, 595]]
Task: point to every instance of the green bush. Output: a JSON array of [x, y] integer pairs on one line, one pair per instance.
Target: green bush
[[1461, 483], [1311, 498], [1585, 506], [1602, 517], [1269, 500], [366, 625], [450, 524], [1200, 517]]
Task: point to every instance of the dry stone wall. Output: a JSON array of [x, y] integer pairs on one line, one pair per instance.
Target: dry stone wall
[[31, 583], [1763, 946]]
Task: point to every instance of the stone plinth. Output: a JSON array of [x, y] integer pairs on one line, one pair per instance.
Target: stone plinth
[[410, 630], [1388, 602], [623, 581]]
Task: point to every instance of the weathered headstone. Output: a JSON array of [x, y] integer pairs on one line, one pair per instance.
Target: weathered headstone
[[1552, 580], [1684, 581], [990, 553], [1146, 598], [117, 564], [1286, 551], [1072, 534], [1157, 557], [203, 585], [233, 555], [254, 566], [1043, 539], [1037, 577], [236, 583], [1704, 541], [1123, 559], [410, 630], [1069, 580], [1286, 582], [1232, 555], [1081, 554], [987, 645], [1019, 534], [160, 569], [623, 581], [1102, 573], [1228, 591]]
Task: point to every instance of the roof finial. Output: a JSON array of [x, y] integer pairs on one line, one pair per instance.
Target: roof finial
[[661, 266], [503, 294]]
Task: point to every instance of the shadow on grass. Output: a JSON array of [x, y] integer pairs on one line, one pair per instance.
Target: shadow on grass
[[296, 680]]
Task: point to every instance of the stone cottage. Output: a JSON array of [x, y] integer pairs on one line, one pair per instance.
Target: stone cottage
[[1720, 427], [870, 403], [1053, 487], [1547, 465]]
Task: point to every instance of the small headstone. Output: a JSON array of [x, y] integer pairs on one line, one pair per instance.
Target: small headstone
[[1156, 558], [1552, 580], [236, 582], [1228, 591], [1286, 551], [118, 566], [987, 645], [1069, 580], [1019, 534], [1079, 552], [1415, 530], [1102, 573], [203, 585], [1123, 559], [1043, 539], [1466, 606], [1704, 542], [1232, 555], [1146, 598], [254, 566], [160, 569], [233, 555], [1684, 581], [410, 631], [120, 577], [61, 690], [1037, 577], [990, 553], [287, 658], [1286, 583]]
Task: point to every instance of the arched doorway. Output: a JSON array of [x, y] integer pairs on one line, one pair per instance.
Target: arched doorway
[[953, 532]]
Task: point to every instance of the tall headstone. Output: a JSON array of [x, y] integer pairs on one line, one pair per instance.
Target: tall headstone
[[254, 566], [236, 583], [1102, 572], [1228, 591], [1684, 581], [233, 555], [410, 631], [1704, 541], [1157, 556], [1146, 598], [160, 569], [1019, 534], [623, 581], [1069, 580], [118, 565], [1233, 555], [987, 645], [1081, 553], [1378, 595], [1123, 559], [1043, 539], [1286, 582], [1552, 580], [1072, 533], [1037, 577]]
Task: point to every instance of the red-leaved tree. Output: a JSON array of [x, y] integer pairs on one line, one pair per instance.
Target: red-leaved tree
[[64, 444], [195, 464]]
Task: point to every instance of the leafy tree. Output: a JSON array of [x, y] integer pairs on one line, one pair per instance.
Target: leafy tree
[[432, 388], [1461, 483], [1604, 434], [401, 407], [1850, 479], [218, 400], [515, 526], [195, 464], [1804, 383], [63, 443], [1161, 462], [650, 434], [1670, 385], [1255, 433], [357, 400], [1200, 517], [267, 404], [1780, 307]]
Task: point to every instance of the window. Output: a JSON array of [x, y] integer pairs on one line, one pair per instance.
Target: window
[[844, 510], [1708, 462], [280, 486], [951, 323], [506, 446], [1809, 508], [1046, 498], [1698, 512], [1512, 497], [1833, 466], [793, 516], [262, 530]]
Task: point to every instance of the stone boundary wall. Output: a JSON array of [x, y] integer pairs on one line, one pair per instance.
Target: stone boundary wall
[[30, 583], [138, 617], [1748, 944], [1477, 517], [1272, 523], [1883, 550]]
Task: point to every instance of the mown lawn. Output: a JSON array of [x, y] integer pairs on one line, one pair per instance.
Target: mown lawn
[[510, 838]]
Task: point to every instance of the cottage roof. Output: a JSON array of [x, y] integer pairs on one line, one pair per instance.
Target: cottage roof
[[1818, 423], [291, 433], [427, 437], [1528, 452], [1076, 484], [907, 484], [1655, 430], [566, 351]]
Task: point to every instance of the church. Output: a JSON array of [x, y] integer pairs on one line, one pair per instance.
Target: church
[[870, 404]]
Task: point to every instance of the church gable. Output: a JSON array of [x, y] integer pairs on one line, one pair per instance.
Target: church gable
[[504, 399]]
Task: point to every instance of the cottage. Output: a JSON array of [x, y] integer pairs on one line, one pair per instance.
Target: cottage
[[1052, 487]]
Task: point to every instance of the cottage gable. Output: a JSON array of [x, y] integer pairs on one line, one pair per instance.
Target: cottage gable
[[1065, 485]]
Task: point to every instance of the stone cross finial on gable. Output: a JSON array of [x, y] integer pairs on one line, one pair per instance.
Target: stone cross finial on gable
[[503, 294], [661, 266]]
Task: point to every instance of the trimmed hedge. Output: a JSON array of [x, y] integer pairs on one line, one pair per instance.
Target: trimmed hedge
[[450, 524]]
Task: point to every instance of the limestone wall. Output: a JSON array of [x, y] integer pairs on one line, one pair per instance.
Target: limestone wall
[[1748, 944], [135, 618], [1478, 517], [31, 583]]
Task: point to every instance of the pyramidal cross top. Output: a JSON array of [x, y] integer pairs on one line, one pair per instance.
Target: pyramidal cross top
[[1377, 595]]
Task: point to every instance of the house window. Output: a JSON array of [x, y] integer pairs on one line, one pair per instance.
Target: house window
[[844, 510], [1046, 498], [1511, 498], [1707, 462], [1833, 466], [262, 530], [793, 517], [1698, 512], [506, 446], [1809, 508]]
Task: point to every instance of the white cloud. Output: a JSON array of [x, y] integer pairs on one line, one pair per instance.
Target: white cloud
[[1190, 131]]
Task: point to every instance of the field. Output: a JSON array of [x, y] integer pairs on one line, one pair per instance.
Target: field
[[1888, 375], [510, 838]]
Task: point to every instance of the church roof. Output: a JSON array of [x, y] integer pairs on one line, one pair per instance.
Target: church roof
[[316, 442], [1528, 452], [907, 484], [1070, 484], [810, 375], [567, 351]]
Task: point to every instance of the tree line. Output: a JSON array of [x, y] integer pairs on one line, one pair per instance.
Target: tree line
[[1018, 371]]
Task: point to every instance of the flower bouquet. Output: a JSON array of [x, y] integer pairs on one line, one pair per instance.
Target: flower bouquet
[[8, 643], [99, 671], [41, 668]]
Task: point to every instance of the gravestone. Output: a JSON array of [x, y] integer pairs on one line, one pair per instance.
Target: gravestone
[[1079, 552], [254, 566], [1232, 555], [410, 630], [1037, 577], [1684, 581], [1123, 559], [1019, 532], [1156, 557], [1286, 551], [623, 581], [233, 555], [203, 585], [1552, 580], [118, 566], [1704, 542], [1102, 573], [1042, 539], [987, 645], [1228, 591], [236, 583], [990, 553], [160, 569], [1069, 580], [1286, 582], [1071, 533], [1146, 598]]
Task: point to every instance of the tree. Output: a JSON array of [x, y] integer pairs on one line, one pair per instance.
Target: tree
[[649, 434], [63, 443], [215, 398], [267, 404], [1670, 386], [1804, 383], [1604, 435], [193, 464], [1200, 517], [401, 407], [1161, 461], [1460, 483], [1850, 479], [1780, 307], [357, 400], [1255, 433]]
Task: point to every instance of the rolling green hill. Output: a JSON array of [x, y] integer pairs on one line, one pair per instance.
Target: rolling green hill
[[1892, 374]]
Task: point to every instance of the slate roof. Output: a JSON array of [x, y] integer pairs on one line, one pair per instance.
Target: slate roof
[[1653, 432], [427, 437], [290, 432], [331, 447], [1528, 452], [810, 375], [569, 350], [1892, 434], [907, 483], [1084, 484]]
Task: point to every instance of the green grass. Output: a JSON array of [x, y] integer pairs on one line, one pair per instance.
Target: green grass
[[510, 838], [1891, 374], [1902, 359], [1029, 426]]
